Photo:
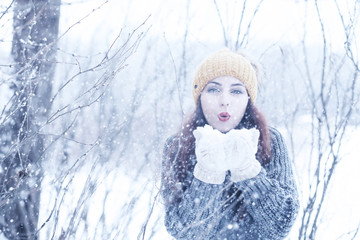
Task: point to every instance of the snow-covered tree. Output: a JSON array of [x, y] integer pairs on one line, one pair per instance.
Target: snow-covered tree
[[35, 28]]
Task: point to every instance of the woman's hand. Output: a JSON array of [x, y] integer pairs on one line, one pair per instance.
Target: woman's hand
[[240, 149], [217, 152], [210, 155]]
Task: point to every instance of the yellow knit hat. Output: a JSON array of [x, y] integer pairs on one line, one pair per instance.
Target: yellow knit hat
[[225, 63]]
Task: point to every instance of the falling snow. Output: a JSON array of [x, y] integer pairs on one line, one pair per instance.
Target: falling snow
[[96, 115]]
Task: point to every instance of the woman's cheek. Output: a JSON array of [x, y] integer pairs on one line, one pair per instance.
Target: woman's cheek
[[237, 119]]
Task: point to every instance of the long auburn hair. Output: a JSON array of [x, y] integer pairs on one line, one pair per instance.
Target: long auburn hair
[[180, 164]]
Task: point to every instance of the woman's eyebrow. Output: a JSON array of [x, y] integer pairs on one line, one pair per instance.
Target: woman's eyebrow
[[232, 85], [237, 84], [216, 83]]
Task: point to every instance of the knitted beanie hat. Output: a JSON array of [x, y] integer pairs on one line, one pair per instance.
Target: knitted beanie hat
[[225, 63]]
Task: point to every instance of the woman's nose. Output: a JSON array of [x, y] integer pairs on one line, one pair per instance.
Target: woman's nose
[[224, 101]]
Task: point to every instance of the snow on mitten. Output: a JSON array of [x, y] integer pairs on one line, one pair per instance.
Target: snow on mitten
[[241, 147], [210, 155]]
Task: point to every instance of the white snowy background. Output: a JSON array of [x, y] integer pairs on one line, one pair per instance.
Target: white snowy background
[[108, 186]]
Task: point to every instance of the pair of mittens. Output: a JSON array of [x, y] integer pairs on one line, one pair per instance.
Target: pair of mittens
[[216, 153]]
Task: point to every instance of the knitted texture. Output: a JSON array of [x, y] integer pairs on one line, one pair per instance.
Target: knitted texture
[[263, 207], [225, 63]]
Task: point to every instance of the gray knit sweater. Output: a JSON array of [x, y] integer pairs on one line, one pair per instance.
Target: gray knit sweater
[[264, 207]]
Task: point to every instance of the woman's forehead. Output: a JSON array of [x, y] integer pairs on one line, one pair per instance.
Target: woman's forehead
[[226, 80]]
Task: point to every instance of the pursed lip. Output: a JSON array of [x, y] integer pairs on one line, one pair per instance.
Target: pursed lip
[[224, 116]]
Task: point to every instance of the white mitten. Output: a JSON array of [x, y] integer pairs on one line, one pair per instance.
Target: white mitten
[[241, 147], [210, 156]]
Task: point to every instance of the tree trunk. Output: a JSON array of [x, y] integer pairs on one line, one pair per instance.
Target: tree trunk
[[36, 26]]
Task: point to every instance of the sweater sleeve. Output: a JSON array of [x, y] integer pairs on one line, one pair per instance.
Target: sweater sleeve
[[265, 206], [191, 216], [271, 198]]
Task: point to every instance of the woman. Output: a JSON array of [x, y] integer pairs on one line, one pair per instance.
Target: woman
[[226, 175]]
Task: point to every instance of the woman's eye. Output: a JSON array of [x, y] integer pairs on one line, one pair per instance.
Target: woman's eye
[[213, 90], [237, 91]]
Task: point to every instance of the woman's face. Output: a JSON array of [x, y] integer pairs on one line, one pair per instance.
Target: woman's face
[[224, 101]]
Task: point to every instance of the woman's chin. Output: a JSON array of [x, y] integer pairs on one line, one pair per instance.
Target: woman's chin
[[223, 129]]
